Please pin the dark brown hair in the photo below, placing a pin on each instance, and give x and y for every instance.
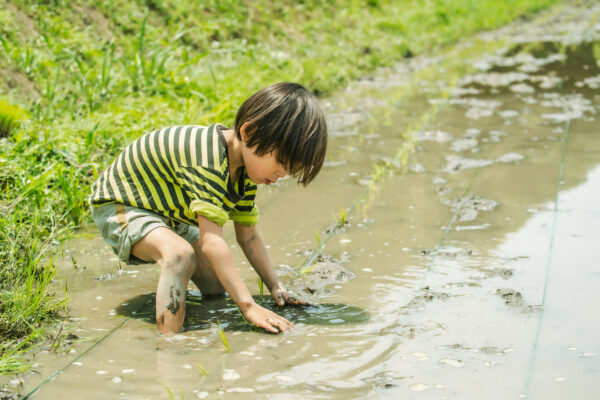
(286, 117)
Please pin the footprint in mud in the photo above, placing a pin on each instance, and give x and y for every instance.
(504, 273)
(510, 296)
(468, 207)
(426, 296)
(514, 298)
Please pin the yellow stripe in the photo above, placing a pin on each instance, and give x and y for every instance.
(161, 181)
(245, 202)
(208, 187)
(113, 183)
(126, 187)
(136, 181)
(147, 180)
(192, 144)
(181, 146)
(104, 183)
(172, 151)
(215, 149)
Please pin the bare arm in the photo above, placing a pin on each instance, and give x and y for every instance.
(254, 249)
(217, 253)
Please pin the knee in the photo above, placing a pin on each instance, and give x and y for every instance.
(181, 260)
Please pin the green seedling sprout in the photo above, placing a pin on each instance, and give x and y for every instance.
(343, 216)
(261, 287)
(204, 371)
(170, 392)
(223, 338)
(318, 237)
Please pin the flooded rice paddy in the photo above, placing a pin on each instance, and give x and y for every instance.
(471, 275)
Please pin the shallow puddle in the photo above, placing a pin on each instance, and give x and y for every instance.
(469, 276)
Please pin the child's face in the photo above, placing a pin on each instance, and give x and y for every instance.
(264, 169)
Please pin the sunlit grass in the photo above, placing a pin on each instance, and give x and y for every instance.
(10, 117)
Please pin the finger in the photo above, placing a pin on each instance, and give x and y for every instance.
(292, 299)
(279, 299)
(269, 326)
(282, 324)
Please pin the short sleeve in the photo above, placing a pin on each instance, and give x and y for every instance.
(245, 211)
(206, 188)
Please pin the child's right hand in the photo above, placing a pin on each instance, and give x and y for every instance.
(267, 319)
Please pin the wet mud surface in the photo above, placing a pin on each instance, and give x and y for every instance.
(471, 275)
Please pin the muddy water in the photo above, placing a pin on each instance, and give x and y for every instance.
(470, 276)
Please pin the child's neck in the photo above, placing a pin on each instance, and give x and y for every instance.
(234, 152)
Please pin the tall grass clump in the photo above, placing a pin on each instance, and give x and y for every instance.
(10, 117)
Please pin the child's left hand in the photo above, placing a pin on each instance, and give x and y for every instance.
(283, 297)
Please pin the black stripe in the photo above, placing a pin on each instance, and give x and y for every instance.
(133, 185)
(188, 144)
(244, 208)
(175, 148)
(138, 174)
(109, 189)
(210, 182)
(195, 188)
(198, 144)
(120, 184)
(209, 147)
(169, 178)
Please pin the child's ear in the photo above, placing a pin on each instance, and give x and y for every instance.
(246, 131)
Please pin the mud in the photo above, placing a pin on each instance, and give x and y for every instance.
(408, 300)
(468, 207)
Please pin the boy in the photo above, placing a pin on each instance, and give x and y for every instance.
(168, 194)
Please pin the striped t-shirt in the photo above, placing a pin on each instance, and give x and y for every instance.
(179, 172)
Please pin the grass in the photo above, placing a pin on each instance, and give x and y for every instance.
(83, 78)
(10, 117)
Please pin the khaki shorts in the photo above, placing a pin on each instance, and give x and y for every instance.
(123, 226)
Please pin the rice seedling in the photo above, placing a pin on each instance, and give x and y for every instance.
(224, 341)
(261, 287)
(343, 216)
(318, 238)
(204, 371)
(170, 392)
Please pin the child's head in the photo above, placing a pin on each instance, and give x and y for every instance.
(285, 118)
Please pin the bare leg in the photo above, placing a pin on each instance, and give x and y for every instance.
(177, 260)
(204, 277)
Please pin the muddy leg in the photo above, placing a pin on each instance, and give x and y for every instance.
(177, 260)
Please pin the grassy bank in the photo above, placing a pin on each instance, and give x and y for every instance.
(82, 78)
